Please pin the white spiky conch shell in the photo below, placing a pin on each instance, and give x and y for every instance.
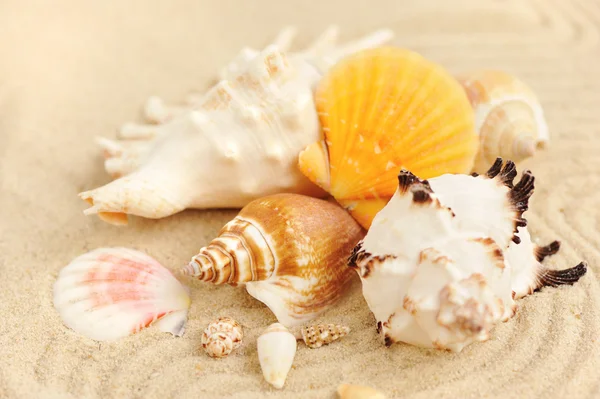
(441, 262)
(509, 118)
(110, 293)
(238, 142)
(276, 348)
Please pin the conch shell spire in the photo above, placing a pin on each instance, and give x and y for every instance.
(232, 258)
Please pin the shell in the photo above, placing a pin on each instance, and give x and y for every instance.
(110, 293)
(498, 215)
(348, 391)
(221, 337)
(319, 335)
(321, 54)
(436, 264)
(276, 348)
(238, 142)
(508, 117)
(288, 250)
(383, 109)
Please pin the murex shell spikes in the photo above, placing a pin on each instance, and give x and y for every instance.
(288, 250)
(509, 118)
(238, 142)
(381, 110)
(444, 260)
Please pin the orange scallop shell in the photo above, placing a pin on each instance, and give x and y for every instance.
(382, 110)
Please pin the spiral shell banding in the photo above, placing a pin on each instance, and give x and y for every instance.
(322, 334)
(509, 118)
(288, 250)
(221, 337)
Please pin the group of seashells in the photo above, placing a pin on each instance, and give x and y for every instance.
(362, 159)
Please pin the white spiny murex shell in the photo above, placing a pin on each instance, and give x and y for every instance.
(322, 334)
(238, 142)
(289, 251)
(221, 337)
(444, 260)
(276, 349)
(348, 391)
(508, 117)
(110, 293)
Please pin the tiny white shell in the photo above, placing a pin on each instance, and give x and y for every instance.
(276, 348)
(110, 293)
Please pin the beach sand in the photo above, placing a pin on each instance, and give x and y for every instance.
(72, 70)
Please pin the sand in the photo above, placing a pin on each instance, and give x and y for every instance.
(72, 70)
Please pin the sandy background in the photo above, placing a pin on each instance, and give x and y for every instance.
(70, 71)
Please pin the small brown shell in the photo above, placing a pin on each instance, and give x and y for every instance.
(323, 334)
(221, 337)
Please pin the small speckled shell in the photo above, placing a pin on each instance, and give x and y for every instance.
(323, 334)
(221, 337)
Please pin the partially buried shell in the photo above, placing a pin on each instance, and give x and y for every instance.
(288, 250)
(110, 293)
(442, 261)
(509, 118)
(349, 391)
(276, 349)
(221, 337)
(236, 143)
(381, 110)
